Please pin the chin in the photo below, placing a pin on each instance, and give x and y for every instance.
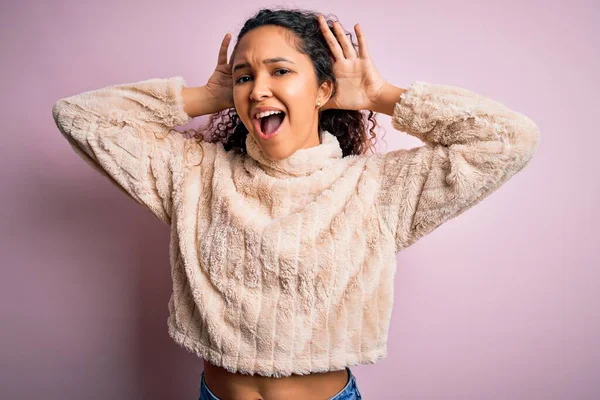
(277, 154)
(275, 151)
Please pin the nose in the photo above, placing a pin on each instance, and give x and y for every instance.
(260, 90)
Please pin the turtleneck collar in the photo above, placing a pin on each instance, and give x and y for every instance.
(302, 163)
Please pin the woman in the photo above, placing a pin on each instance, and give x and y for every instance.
(283, 231)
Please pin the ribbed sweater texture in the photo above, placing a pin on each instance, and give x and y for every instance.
(287, 267)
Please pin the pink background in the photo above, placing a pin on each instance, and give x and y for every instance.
(500, 303)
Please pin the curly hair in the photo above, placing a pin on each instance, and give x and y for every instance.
(349, 126)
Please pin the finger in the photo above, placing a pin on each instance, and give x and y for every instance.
(338, 54)
(363, 51)
(349, 51)
(223, 50)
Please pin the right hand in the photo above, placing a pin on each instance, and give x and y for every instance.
(220, 84)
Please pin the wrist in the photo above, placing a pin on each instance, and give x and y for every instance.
(387, 99)
(198, 101)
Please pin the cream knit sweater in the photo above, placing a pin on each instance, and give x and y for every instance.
(288, 266)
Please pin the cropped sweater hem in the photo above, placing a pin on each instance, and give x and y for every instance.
(272, 367)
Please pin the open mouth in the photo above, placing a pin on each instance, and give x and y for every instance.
(269, 126)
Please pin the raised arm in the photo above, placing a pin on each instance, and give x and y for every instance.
(473, 145)
(124, 132)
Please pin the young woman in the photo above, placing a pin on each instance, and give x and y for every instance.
(284, 231)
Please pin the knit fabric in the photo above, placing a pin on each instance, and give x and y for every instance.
(287, 267)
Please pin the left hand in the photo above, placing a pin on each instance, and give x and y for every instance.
(359, 82)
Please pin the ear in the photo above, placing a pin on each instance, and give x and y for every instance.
(325, 91)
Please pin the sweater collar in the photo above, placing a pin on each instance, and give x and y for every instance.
(302, 163)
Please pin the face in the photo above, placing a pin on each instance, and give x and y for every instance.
(268, 71)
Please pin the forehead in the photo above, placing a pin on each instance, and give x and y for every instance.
(266, 41)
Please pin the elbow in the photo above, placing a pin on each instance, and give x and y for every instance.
(527, 144)
(64, 116)
(56, 114)
(55, 109)
(531, 138)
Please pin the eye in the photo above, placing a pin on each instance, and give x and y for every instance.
(241, 77)
(239, 80)
(282, 69)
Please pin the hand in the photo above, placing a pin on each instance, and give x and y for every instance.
(220, 84)
(359, 83)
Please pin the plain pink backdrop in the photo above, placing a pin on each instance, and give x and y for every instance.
(499, 303)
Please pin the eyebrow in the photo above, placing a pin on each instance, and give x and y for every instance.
(266, 61)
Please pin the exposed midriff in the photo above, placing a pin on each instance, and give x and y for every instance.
(318, 386)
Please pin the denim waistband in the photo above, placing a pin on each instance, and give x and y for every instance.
(348, 392)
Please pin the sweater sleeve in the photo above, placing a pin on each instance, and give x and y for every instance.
(124, 132)
(473, 145)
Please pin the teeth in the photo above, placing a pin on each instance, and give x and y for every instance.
(266, 114)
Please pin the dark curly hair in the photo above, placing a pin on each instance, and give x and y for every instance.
(349, 126)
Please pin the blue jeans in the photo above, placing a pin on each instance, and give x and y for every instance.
(349, 392)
